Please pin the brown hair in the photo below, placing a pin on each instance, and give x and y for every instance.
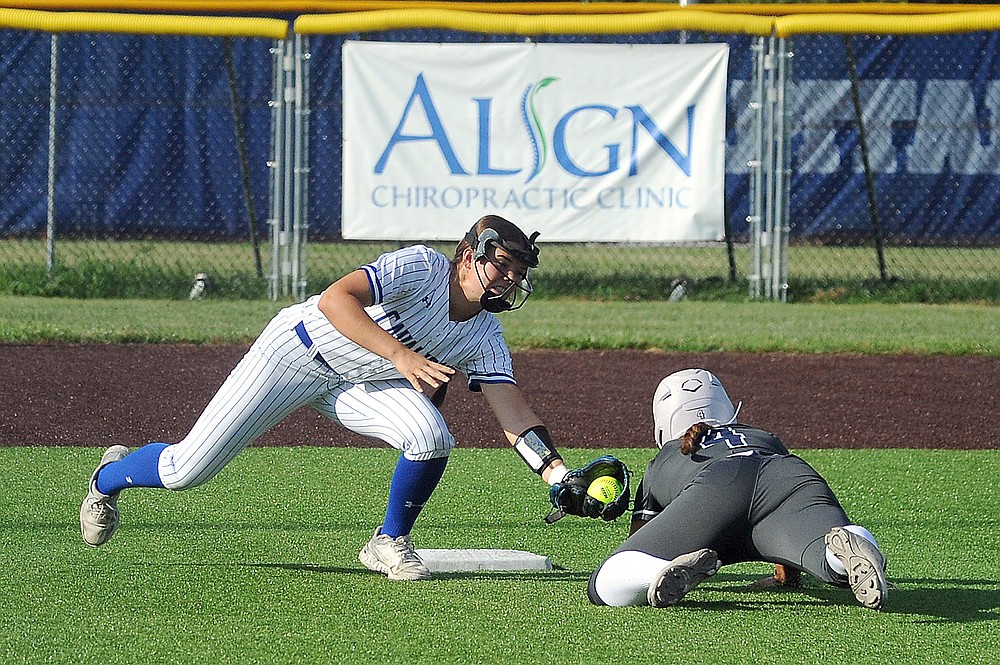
(509, 233)
(692, 438)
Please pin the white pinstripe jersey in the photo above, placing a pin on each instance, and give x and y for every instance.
(410, 289)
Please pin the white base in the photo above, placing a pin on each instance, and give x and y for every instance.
(449, 561)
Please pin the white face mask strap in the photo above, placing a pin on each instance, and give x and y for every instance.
(732, 420)
(479, 275)
(739, 405)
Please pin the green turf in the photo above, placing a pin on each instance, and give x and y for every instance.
(259, 566)
(561, 324)
(90, 268)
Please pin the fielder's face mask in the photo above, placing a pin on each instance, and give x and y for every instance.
(484, 248)
(687, 397)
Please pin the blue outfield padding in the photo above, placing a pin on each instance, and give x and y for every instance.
(146, 140)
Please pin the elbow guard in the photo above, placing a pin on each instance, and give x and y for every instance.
(535, 447)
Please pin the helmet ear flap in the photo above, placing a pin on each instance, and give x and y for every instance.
(480, 242)
(483, 241)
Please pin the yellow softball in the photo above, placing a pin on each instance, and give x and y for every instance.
(605, 489)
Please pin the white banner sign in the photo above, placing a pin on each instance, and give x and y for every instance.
(582, 142)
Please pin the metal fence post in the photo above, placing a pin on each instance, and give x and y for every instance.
(769, 182)
(300, 176)
(756, 165)
(288, 165)
(780, 223)
(50, 219)
(277, 166)
(289, 169)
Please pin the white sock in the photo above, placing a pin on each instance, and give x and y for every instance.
(624, 578)
(834, 562)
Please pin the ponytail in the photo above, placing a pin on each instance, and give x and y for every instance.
(692, 438)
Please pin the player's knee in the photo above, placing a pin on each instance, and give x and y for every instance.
(176, 474)
(183, 481)
(431, 443)
(623, 579)
(609, 586)
(592, 594)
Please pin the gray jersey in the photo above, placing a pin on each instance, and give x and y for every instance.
(670, 472)
(741, 494)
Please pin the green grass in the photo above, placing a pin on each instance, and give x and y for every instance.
(259, 566)
(849, 274)
(33, 319)
(562, 324)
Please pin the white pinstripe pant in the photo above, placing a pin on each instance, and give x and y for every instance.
(276, 377)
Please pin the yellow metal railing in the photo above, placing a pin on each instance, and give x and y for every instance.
(518, 24)
(518, 18)
(142, 24)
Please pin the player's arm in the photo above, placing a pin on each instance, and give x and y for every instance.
(569, 489)
(644, 509)
(635, 524)
(525, 431)
(344, 302)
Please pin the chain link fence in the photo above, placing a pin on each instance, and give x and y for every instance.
(893, 162)
(132, 163)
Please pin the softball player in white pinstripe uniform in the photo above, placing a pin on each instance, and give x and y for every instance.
(369, 353)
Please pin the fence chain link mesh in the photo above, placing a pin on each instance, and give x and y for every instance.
(158, 161)
(163, 155)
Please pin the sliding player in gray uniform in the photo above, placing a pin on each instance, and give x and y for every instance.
(719, 492)
(370, 353)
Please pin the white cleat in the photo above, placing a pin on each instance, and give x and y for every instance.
(99, 512)
(680, 576)
(865, 566)
(395, 557)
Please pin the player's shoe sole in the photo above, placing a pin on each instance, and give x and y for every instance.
(680, 576)
(865, 566)
(99, 512)
(394, 557)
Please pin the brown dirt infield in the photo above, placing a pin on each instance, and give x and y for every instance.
(98, 395)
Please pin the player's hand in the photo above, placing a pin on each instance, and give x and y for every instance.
(570, 496)
(421, 372)
(784, 577)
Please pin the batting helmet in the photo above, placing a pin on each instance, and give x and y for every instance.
(687, 397)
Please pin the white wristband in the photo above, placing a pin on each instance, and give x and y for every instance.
(557, 475)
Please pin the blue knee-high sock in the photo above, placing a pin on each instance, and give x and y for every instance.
(412, 485)
(137, 469)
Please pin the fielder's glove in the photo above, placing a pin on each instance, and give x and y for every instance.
(569, 496)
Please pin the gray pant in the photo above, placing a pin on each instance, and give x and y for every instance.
(755, 508)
